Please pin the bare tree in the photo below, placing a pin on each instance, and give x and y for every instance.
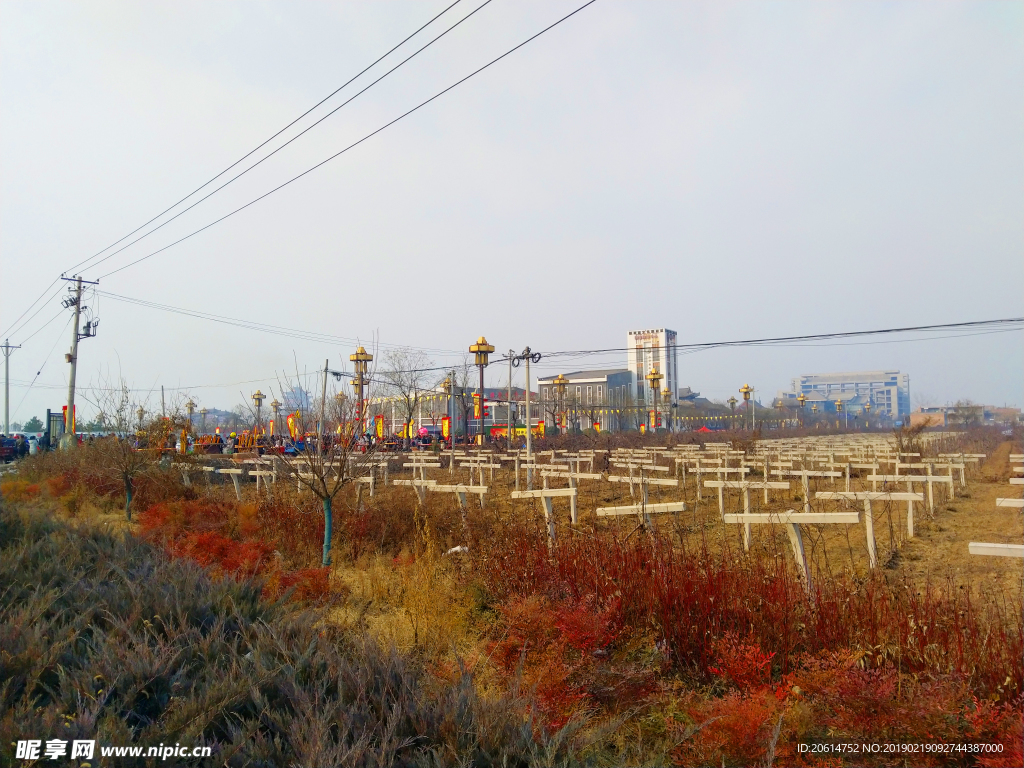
(406, 378)
(966, 413)
(332, 455)
(135, 440)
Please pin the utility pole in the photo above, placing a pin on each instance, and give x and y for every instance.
(528, 355)
(75, 300)
(511, 421)
(323, 403)
(7, 348)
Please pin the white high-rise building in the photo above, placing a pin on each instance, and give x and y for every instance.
(649, 350)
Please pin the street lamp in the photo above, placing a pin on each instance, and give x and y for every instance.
(560, 383)
(481, 351)
(361, 359)
(446, 387)
(140, 413)
(654, 378)
(190, 406)
(276, 407)
(202, 420)
(258, 398)
(839, 409)
(802, 399)
(666, 400)
(867, 412)
(746, 390)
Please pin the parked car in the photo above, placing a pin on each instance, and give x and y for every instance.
(8, 449)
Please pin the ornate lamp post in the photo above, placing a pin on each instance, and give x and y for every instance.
(446, 386)
(732, 407)
(275, 406)
(802, 399)
(190, 408)
(361, 360)
(481, 351)
(746, 390)
(140, 413)
(839, 409)
(560, 383)
(666, 401)
(258, 398)
(655, 377)
(202, 420)
(867, 413)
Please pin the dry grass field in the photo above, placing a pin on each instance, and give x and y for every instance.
(660, 643)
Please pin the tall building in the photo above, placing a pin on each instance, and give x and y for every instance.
(887, 391)
(653, 350)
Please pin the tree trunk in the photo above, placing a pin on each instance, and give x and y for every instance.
(128, 498)
(327, 531)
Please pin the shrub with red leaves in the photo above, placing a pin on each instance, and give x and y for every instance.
(238, 558)
(743, 664)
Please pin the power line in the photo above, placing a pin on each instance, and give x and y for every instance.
(252, 325)
(260, 146)
(812, 337)
(293, 138)
(354, 144)
(45, 291)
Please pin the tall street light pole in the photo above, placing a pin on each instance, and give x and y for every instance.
(560, 383)
(655, 377)
(746, 390)
(481, 351)
(275, 406)
(258, 397)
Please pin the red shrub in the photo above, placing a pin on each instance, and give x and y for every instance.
(58, 486)
(310, 584)
(239, 558)
(19, 490)
(694, 600)
(168, 520)
(744, 665)
(737, 731)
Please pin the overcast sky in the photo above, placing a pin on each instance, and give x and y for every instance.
(727, 170)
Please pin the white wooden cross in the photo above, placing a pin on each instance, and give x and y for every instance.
(420, 486)
(793, 520)
(235, 474)
(869, 524)
(805, 475)
(910, 479)
(745, 486)
(546, 495)
(999, 550)
(461, 491)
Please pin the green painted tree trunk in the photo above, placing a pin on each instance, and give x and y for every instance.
(128, 498)
(327, 531)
